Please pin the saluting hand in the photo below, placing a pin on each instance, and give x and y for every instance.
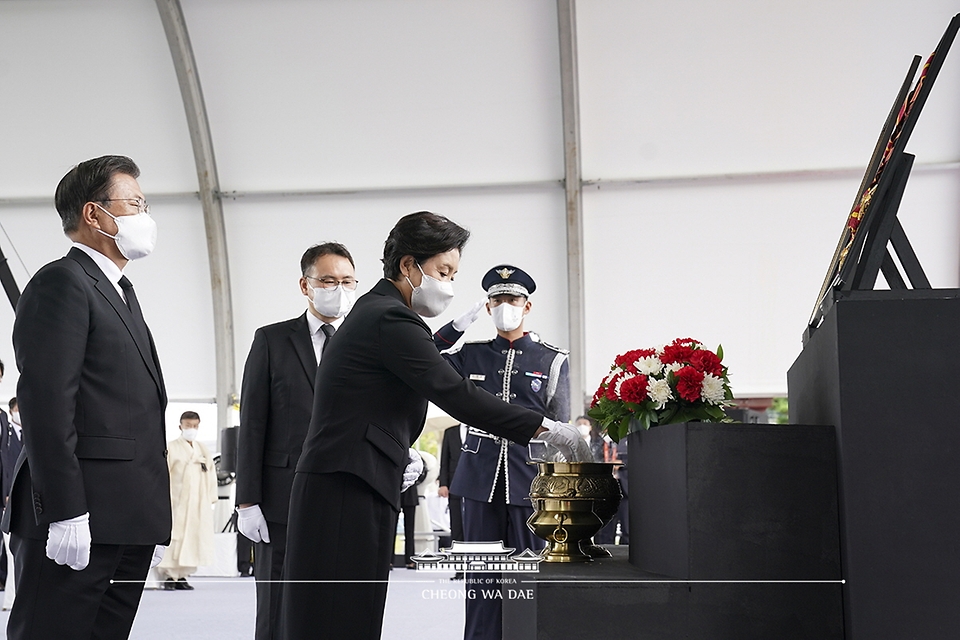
(467, 319)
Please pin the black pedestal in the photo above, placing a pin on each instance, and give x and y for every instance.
(735, 502)
(884, 367)
(613, 600)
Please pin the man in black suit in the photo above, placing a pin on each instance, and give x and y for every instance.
(6, 469)
(449, 456)
(275, 403)
(10, 444)
(91, 494)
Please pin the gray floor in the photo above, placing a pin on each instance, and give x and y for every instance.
(223, 608)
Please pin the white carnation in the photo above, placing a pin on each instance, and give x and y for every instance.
(673, 367)
(712, 389)
(660, 393)
(649, 365)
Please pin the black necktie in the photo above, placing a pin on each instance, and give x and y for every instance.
(328, 330)
(134, 305)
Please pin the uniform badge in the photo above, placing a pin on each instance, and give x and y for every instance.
(535, 384)
(505, 273)
(478, 377)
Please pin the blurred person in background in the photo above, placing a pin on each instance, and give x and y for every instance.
(193, 491)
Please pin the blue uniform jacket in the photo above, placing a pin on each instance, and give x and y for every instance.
(526, 372)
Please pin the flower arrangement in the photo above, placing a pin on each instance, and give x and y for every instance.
(679, 382)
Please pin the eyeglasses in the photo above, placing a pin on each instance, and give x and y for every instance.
(329, 283)
(141, 205)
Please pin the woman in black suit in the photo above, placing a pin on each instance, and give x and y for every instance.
(370, 402)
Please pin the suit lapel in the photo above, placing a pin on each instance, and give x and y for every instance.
(141, 338)
(303, 345)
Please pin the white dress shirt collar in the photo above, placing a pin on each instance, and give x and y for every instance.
(317, 336)
(108, 266)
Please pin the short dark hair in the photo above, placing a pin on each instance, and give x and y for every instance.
(189, 415)
(317, 251)
(13, 403)
(89, 181)
(1, 367)
(422, 235)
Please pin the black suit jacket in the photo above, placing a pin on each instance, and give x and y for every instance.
(276, 398)
(91, 400)
(449, 455)
(371, 393)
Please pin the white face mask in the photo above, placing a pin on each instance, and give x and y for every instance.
(335, 302)
(432, 297)
(136, 235)
(15, 417)
(584, 430)
(189, 434)
(507, 317)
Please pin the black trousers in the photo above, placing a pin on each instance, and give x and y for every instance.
(340, 537)
(268, 571)
(409, 533)
(488, 522)
(455, 504)
(54, 601)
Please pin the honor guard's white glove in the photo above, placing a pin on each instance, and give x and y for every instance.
(414, 468)
(252, 524)
(463, 322)
(68, 542)
(157, 555)
(567, 438)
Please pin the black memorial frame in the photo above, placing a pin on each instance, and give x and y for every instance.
(862, 252)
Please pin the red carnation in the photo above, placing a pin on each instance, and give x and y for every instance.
(634, 389)
(706, 361)
(685, 341)
(597, 396)
(689, 382)
(676, 353)
(611, 391)
(626, 360)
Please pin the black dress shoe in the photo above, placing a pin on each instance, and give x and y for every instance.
(169, 584)
(183, 585)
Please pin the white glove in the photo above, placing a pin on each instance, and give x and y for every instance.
(157, 555)
(68, 542)
(567, 438)
(463, 322)
(252, 524)
(413, 470)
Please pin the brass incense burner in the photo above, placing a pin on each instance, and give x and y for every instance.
(572, 501)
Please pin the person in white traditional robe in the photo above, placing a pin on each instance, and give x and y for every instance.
(193, 489)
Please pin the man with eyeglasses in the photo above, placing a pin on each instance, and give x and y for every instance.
(276, 400)
(90, 500)
(493, 477)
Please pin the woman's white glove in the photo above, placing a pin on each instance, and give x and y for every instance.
(252, 524)
(567, 438)
(463, 322)
(413, 470)
(157, 555)
(68, 542)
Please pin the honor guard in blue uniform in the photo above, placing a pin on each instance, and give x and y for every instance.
(493, 476)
